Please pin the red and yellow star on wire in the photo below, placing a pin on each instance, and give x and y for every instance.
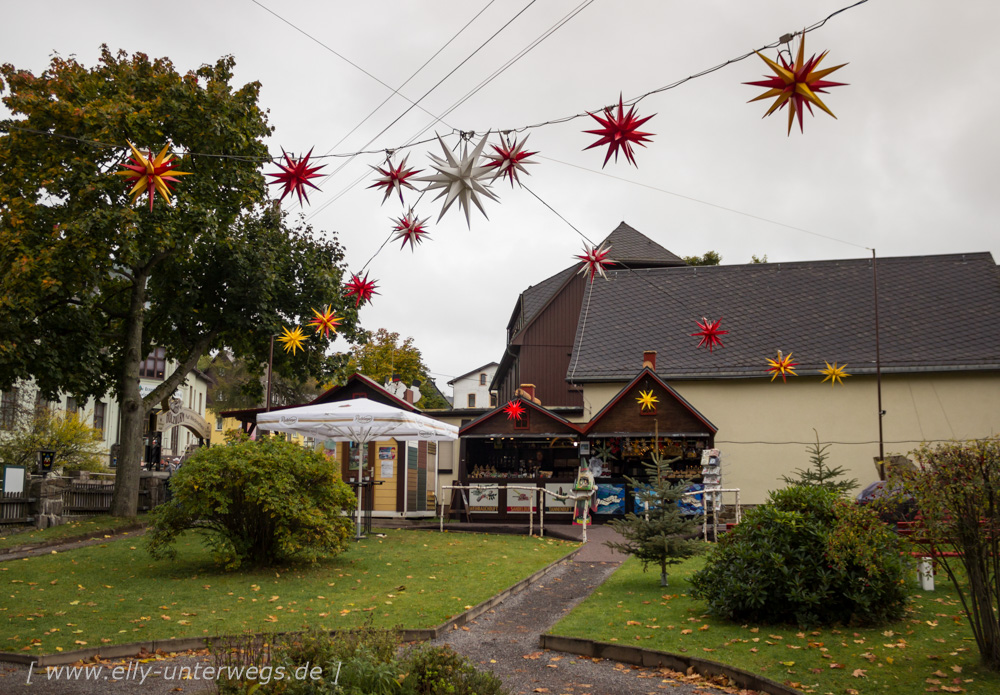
(783, 366)
(151, 174)
(325, 322)
(796, 84)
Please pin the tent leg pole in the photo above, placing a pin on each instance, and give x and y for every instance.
(361, 469)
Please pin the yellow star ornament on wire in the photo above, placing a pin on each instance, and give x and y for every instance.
(646, 400)
(292, 339)
(152, 175)
(834, 373)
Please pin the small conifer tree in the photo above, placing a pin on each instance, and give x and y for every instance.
(661, 534)
(820, 474)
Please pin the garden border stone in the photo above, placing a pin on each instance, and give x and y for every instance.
(652, 658)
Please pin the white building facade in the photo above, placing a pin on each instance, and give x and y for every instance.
(472, 389)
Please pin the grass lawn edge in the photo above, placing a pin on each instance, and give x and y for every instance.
(97, 534)
(181, 644)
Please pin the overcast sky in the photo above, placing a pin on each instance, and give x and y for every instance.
(910, 165)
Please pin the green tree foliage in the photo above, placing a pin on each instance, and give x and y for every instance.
(762, 259)
(806, 557)
(710, 258)
(237, 383)
(956, 487)
(77, 445)
(381, 355)
(662, 535)
(819, 473)
(258, 502)
(90, 283)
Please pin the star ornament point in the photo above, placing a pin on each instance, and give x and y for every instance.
(796, 85)
(509, 159)
(619, 132)
(710, 333)
(411, 230)
(593, 260)
(325, 322)
(514, 409)
(292, 339)
(834, 373)
(294, 175)
(646, 400)
(782, 366)
(459, 178)
(395, 179)
(361, 289)
(151, 175)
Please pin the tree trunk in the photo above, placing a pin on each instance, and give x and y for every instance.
(125, 501)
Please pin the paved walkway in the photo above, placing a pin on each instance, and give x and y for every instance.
(504, 640)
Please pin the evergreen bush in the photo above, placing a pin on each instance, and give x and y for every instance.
(258, 503)
(806, 557)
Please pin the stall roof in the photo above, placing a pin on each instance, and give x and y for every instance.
(541, 423)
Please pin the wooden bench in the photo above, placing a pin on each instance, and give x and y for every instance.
(928, 553)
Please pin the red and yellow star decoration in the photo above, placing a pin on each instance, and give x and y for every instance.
(325, 322)
(151, 175)
(782, 366)
(796, 84)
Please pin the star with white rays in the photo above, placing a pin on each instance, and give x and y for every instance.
(460, 179)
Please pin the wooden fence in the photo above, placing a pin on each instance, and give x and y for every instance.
(14, 507)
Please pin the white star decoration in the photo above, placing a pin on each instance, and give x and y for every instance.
(459, 179)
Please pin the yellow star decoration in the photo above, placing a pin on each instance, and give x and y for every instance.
(292, 339)
(646, 400)
(834, 373)
(152, 175)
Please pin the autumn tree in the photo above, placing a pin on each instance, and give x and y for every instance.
(710, 258)
(91, 282)
(381, 356)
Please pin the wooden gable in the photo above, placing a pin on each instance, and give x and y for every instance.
(536, 422)
(670, 416)
(360, 386)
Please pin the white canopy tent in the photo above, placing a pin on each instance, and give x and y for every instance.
(357, 420)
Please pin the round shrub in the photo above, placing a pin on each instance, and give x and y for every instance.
(258, 503)
(807, 558)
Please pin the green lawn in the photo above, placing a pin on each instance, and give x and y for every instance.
(931, 650)
(12, 537)
(114, 592)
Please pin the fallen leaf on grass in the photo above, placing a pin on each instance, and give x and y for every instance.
(859, 673)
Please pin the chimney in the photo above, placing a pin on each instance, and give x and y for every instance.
(527, 392)
(408, 396)
(649, 359)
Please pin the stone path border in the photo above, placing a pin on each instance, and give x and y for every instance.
(652, 658)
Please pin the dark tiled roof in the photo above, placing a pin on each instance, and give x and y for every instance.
(633, 248)
(536, 296)
(935, 312)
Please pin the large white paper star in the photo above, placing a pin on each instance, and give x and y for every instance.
(460, 179)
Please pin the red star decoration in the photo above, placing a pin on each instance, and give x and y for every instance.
(361, 289)
(394, 179)
(325, 322)
(295, 175)
(151, 174)
(411, 230)
(594, 259)
(709, 333)
(796, 84)
(514, 410)
(510, 159)
(619, 132)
